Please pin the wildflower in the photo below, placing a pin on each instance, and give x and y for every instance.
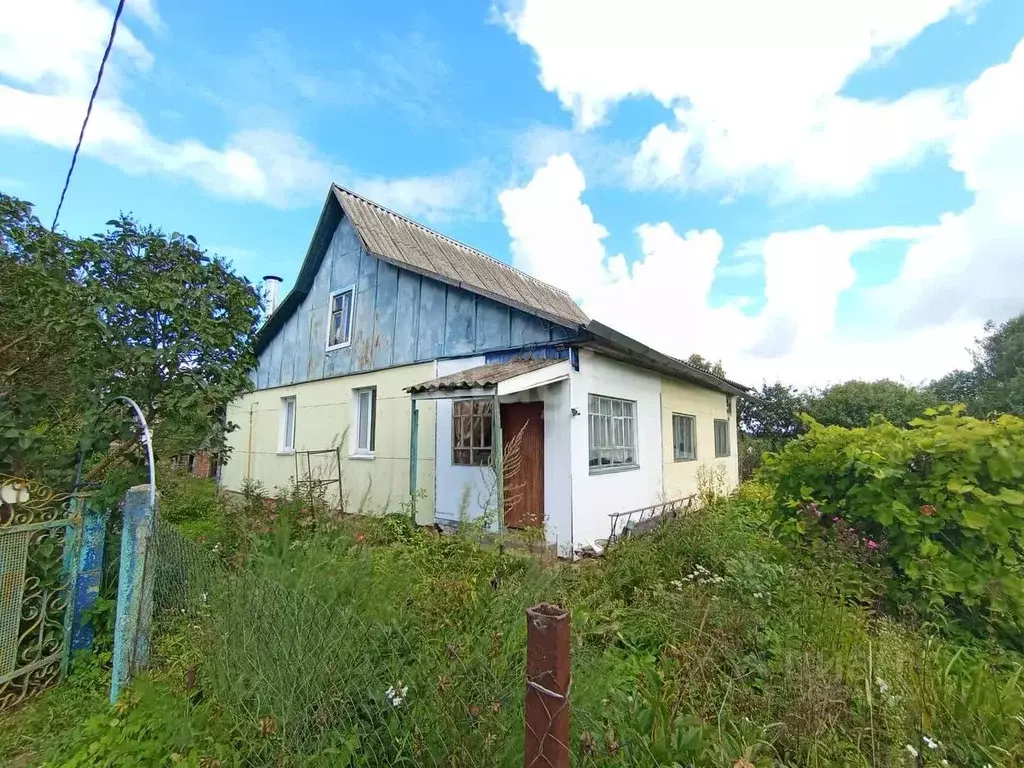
(360, 537)
(757, 595)
(396, 694)
(930, 742)
(883, 687)
(202, 539)
(944, 761)
(871, 544)
(267, 725)
(912, 752)
(928, 510)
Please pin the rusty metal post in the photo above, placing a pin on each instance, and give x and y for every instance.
(547, 687)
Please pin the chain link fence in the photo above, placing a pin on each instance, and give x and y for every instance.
(326, 673)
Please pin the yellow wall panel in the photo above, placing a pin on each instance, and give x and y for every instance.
(324, 419)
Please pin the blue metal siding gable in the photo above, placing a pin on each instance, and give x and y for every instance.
(399, 317)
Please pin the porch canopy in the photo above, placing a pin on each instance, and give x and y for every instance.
(483, 381)
(493, 380)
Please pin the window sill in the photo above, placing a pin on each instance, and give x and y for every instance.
(722, 455)
(683, 461)
(613, 470)
(338, 346)
(363, 456)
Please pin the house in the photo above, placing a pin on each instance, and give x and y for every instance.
(403, 365)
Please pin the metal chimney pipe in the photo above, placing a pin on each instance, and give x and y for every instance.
(271, 286)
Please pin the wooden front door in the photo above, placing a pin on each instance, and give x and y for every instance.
(524, 464)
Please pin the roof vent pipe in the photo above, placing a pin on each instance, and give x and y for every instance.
(271, 286)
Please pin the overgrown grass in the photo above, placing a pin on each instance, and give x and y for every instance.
(705, 643)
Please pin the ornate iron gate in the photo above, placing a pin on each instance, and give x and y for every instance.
(38, 541)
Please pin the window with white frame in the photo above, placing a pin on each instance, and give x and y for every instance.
(339, 324)
(612, 425)
(286, 438)
(721, 437)
(684, 442)
(471, 432)
(365, 421)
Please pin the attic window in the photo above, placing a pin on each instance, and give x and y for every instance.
(339, 324)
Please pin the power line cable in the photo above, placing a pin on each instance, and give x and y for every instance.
(88, 111)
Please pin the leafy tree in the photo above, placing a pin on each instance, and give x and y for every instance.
(854, 403)
(955, 387)
(131, 312)
(699, 361)
(771, 414)
(46, 331)
(999, 368)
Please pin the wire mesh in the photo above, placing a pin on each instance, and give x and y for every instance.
(307, 674)
(335, 671)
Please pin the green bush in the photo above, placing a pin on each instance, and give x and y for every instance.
(941, 502)
(708, 642)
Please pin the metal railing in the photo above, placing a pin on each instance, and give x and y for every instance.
(624, 524)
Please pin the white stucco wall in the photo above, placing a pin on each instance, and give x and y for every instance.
(470, 490)
(557, 460)
(459, 490)
(323, 419)
(705, 405)
(596, 495)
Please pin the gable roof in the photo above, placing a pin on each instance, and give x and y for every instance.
(403, 242)
(400, 241)
(619, 346)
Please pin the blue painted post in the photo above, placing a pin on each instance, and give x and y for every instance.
(85, 587)
(134, 589)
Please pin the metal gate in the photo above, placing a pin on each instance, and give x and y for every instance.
(38, 554)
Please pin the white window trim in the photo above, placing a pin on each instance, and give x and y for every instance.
(282, 429)
(351, 319)
(693, 435)
(635, 464)
(355, 452)
(728, 440)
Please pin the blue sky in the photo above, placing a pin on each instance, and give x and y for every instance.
(804, 193)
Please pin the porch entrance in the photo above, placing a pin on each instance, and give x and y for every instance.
(522, 431)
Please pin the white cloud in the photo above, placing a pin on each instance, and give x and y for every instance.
(969, 268)
(554, 235)
(754, 87)
(146, 12)
(662, 298)
(51, 50)
(805, 273)
(435, 198)
(55, 46)
(760, 107)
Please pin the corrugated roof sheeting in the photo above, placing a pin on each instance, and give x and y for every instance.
(397, 239)
(483, 375)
